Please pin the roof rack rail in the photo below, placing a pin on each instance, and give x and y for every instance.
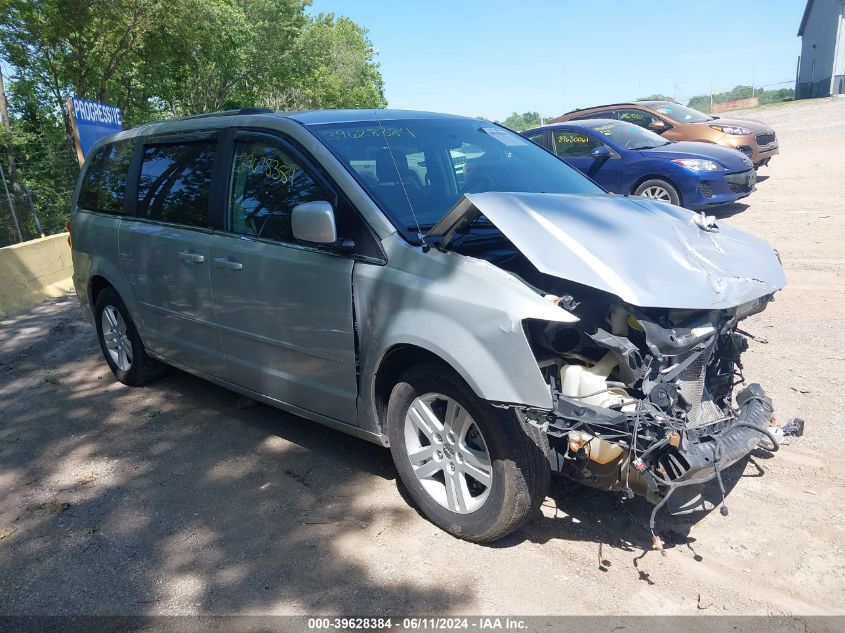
(606, 105)
(237, 112)
(256, 111)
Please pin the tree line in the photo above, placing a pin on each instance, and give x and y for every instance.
(157, 59)
(702, 102)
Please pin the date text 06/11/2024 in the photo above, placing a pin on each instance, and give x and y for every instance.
(418, 624)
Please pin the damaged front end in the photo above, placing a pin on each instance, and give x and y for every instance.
(645, 399)
(647, 387)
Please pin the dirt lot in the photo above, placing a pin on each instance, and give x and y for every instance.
(171, 499)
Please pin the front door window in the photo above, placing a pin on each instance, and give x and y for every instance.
(642, 118)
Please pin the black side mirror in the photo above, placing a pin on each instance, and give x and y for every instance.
(600, 153)
(345, 245)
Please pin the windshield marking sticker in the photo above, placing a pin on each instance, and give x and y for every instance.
(504, 137)
(342, 134)
(572, 138)
(270, 167)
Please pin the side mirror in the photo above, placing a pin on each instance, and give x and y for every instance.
(657, 126)
(600, 153)
(314, 222)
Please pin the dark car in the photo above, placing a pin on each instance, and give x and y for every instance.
(676, 122)
(627, 159)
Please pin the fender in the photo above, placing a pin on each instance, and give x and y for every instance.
(465, 311)
(95, 253)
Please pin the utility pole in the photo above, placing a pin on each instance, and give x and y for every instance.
(711, 94)
(7, 140)
(11, 205)
(10, 157)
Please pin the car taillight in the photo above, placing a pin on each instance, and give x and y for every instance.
(69, 226)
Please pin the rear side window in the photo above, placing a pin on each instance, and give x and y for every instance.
(541, 138)
(104, 184)
(175, 182)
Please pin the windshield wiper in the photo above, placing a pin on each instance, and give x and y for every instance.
(424, 228)
(420, 228)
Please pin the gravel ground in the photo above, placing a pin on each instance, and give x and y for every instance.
(172, 499)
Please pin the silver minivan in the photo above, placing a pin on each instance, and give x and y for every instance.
(435, 284)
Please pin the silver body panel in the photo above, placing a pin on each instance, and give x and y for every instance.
(463, 310)
(647, 253)
(283, 327)
(167, 268)
(285, 320)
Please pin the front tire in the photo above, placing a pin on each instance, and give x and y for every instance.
(120, 343)
(661, 190)
(476, 471)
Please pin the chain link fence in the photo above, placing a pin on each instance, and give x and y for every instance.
(37, 202)
(19, 221)
(741, 96)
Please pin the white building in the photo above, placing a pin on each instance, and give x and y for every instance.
(821, 67)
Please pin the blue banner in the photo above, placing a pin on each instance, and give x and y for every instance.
(93, 121)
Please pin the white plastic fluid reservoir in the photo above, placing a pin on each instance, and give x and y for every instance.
(590, 383)
(598, 450)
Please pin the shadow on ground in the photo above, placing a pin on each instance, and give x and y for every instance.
(577, 513)
(171, 499)
(727, 210)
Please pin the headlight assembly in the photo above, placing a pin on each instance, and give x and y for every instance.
(698, 164)
(735, 130)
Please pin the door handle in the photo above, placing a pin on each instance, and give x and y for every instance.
(191, 257)
(228, 263)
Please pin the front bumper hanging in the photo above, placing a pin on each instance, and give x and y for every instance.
(683, 460)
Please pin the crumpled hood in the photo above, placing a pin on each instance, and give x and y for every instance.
(648, 253)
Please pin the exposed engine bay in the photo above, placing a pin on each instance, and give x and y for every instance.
(648, 401)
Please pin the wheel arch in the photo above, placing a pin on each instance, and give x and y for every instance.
(104, 274)
(96, 285)
(393, 363)
(664, 178)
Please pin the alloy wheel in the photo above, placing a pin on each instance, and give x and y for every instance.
(658, 193)
(116, 339)
(448, 453)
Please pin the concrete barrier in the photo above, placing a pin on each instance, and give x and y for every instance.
(32, 271)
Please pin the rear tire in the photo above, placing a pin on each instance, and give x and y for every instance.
(661, 190)
(120, 343)
(478, 472)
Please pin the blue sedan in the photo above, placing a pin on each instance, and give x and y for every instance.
(625, 158)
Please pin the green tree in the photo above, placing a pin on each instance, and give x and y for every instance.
(49, 172)
(161, 58)
(524, 121)
(339, 68)
(702, 102)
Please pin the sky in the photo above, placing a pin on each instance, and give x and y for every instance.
(493, 57)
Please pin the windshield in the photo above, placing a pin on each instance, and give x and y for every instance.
(417, 169)
(677, 112)
(629, 136)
